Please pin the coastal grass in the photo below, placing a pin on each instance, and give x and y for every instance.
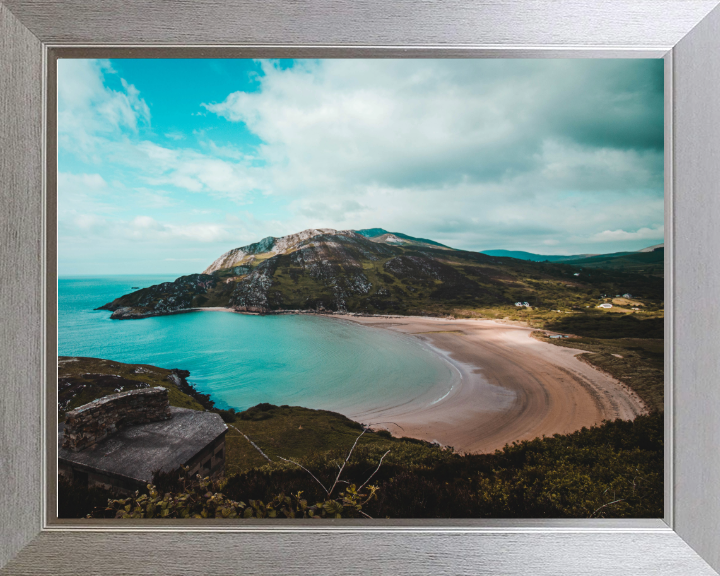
(636, 362)
(292, 432)
(614, 470)
(82, 380)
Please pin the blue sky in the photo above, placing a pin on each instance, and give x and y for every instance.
(165, 164)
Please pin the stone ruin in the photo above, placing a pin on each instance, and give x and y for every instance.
(101, 418)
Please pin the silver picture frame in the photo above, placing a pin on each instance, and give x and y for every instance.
(34, 33)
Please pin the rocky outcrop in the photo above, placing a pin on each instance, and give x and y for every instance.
(182, 295)
(270, 244)
(179, 378)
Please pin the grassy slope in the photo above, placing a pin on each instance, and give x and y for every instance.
(651, 263)
(82, 372)
(294, 433)
(472, 284)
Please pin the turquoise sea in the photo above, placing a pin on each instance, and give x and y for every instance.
(243, 360)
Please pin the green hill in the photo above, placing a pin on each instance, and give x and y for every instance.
(652, 263)
(344, 271)
(521, 255)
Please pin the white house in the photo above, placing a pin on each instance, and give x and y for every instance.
(606, 305)
(628, 296)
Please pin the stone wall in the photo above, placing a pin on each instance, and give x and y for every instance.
(100, 418)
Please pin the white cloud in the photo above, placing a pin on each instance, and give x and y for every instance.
(463, 151)
(533, 155)
(88, 110)
(656, 233)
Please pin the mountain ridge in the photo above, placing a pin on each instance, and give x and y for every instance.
(522, 255)
(326, 270)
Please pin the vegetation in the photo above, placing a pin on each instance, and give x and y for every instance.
(292, 432)
(612, 470)
(609, 326)
(649, 263)
(202, 499)
(82, 380)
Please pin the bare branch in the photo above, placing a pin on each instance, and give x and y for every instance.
(308, 471)
(253, 444)
(393, 423)
(608, 504)
(346, 460)
(376, 469)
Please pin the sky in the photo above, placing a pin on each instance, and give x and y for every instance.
(163, 165)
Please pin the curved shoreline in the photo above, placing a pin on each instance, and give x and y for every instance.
(509, 386)
(512, 387)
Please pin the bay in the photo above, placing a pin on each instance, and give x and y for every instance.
(243, 360)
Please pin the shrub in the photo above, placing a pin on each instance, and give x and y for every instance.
(202, 499)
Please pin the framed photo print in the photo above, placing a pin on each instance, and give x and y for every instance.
(344, 289)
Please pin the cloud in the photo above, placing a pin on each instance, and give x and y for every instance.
(656, 233)
(194, 171)
(89, 111)
(147, 229)
(538, 155)
(466, 150)
(175, 135)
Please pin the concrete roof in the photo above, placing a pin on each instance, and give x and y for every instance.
(137, 451)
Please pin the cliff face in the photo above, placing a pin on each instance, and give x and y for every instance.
(372, 271)
(269, 245)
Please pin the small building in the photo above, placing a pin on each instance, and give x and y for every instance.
(576, 274)
(605, 305)
(119, 441)
(628, 296)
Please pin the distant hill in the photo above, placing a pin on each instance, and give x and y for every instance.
(520, 255)
(650, 260)
(646, 261)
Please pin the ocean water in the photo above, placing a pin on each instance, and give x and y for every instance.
(243, 360)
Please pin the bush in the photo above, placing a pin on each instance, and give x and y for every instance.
(202, 498)
(260, 412)
(609, 326)
(228, 416)
(614, 470)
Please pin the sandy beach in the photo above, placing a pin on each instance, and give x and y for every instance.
(508, 386)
